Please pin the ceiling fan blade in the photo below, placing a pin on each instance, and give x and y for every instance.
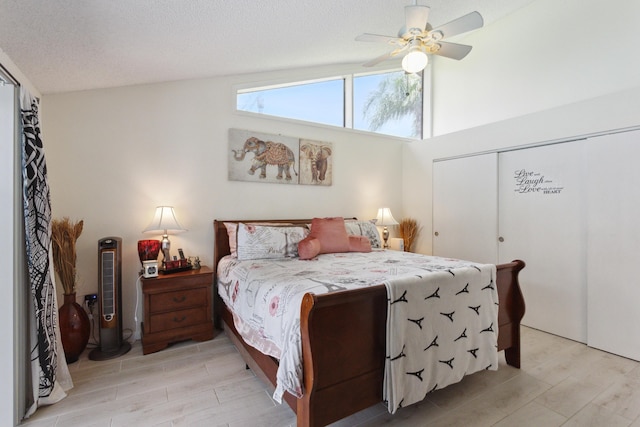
(366, 37)
(461, 25)
(416, 17)
(384, 57)
(452, 50)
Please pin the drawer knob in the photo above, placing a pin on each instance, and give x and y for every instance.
(181, 299)
(182, 319)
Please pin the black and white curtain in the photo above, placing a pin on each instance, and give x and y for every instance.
(49, 372)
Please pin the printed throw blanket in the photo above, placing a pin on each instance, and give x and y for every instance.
(265, 298)
(440, 327)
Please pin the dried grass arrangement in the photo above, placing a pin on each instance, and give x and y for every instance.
(64, 235)
(409, 230)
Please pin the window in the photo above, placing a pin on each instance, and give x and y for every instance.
(389, 103)
(319, 102)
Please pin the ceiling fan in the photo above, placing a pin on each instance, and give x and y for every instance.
(416, 39)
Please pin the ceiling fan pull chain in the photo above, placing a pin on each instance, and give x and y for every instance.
(406, 79)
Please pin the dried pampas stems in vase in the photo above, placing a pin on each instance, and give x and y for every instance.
(64, 235)
(74, 321)
(408, 231)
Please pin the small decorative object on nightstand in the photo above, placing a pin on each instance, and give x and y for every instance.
(177, 307)
(148, 251)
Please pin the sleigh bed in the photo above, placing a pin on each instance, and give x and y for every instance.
(343, 340)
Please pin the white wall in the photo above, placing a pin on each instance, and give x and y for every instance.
(547, 54)
(113, 155)
(552, 70)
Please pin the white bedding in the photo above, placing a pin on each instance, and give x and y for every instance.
(265, 298)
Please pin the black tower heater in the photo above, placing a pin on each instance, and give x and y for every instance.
(110, 300)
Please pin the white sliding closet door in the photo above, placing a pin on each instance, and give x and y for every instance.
(465, 200)
(614, 243)
(541, 221)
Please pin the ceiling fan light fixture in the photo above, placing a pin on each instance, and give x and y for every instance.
(414, 61)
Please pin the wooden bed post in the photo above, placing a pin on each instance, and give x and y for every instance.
(511, 310)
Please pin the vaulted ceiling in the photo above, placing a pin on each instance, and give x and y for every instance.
(68, 45)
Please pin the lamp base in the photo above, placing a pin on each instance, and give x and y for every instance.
(385, 237)
(165, 245)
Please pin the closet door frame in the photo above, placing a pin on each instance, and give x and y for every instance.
(14, 336)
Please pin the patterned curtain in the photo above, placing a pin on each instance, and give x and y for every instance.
(49, 372)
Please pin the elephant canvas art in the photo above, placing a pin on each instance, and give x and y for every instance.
(261, 157)
(316, 165)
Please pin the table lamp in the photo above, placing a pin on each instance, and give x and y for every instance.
(164, 221)
(385, 219)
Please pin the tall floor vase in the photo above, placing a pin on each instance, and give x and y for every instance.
(74, 328)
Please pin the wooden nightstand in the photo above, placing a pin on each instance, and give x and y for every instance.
(177, 307)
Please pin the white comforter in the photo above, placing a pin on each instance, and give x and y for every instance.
(265, 298)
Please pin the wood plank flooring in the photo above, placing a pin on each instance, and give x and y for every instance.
(561, 383)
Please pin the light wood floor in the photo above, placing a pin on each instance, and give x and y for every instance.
(206, 384)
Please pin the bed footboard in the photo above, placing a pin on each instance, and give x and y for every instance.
(343, 349)
(343, 346)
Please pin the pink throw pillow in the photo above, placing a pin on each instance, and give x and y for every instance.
(332, 234)
(328, 236)
(308, 247)
(359, 244)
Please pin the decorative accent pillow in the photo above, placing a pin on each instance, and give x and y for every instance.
(332, 234)
(365, 228)
(308, 248)
(268, 241)
(329, 235)
(359, 244)
(232, 228)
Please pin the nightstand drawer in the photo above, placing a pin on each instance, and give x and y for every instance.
(177, 300)
(177, 319)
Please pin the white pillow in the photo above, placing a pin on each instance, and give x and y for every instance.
(232, 230)
(268, 242)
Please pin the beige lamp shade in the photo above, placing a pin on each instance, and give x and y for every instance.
(164, 221)
(385, 218)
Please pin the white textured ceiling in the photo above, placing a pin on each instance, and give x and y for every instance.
(68, 45)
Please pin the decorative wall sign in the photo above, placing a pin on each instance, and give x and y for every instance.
(261, 157)
(534, 182)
